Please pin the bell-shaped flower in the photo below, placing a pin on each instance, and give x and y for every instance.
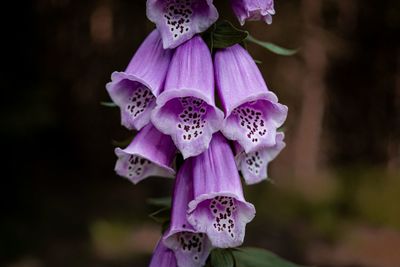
(135, 89)
(219, 208)
(186, 108)
(180, 20)
(252, 112)
(254, 165)
(162, 256)
(190, 246)
(253, 10)
(151, 153)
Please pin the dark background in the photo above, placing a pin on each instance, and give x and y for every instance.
(336, 192)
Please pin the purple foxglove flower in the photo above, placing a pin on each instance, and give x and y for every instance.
(190, 246)
(253, 10)
(252, 112)
(162, 256)
(186, 108)
(151, 153)
(135, 89)
(180, 20)
(219, 208)
(253, 165)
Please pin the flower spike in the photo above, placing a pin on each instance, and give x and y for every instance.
(134, 90)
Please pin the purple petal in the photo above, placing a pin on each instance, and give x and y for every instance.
(180, 20)
(186, 109)
(162, 256)
(253, 166)
(252, 112)
(135, 89)
(219, 208)
(190, 246)
(151, 153)
(253, 10)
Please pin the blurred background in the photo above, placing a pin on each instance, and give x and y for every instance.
(336, 192)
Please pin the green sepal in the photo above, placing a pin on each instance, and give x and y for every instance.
(223, 34)
(226, 35)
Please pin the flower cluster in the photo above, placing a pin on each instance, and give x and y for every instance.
(167, 93)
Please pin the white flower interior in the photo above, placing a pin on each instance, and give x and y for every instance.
(139, 100)
(177, 15)
(191, 118)
(252, 121)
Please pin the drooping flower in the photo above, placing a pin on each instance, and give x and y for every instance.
(190, 246)
(252, 112)
(180, 20)
(151, 153)
(186, 108)
(162, 256)
(219, 208)
(253, 10)
(135, 89)
(254, 165)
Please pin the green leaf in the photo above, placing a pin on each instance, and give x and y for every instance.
(161, 216)
(222, 258)
(256, 257)
(272, 47)
(225, 34)
(108, 104)
(164, 202)
(122, 143)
